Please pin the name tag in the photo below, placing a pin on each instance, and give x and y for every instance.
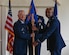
(22, 29)
(41, 27)
(39, 24)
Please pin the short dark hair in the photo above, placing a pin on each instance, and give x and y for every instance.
(48, 9)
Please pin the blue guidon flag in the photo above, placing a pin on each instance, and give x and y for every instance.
(55, 9)
(32, 10)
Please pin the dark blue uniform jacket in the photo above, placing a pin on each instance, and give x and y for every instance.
(53, 35)
(21, 37)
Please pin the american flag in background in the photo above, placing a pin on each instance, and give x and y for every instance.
(9, 28)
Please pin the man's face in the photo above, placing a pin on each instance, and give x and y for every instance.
(21, 15)
(49, 13)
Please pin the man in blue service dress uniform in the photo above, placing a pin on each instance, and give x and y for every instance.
(55, 42)
(40, 26)
(21, 35)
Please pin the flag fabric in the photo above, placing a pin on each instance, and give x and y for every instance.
(9, 28)
(55, 9)
(32, 10)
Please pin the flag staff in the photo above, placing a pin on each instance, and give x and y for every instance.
(57, 2)
(32, 16)
(33, 39)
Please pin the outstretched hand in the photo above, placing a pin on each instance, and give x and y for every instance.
(34, 28)
(35, 43)
(33, 34)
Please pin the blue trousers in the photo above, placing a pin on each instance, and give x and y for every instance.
(56, 52)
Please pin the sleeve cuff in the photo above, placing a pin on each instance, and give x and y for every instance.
(38, 41)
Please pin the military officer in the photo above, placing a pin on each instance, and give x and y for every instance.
(55, 42)
(40, 26)
(21, 35)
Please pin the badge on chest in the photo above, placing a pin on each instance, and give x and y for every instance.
(23, 30)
